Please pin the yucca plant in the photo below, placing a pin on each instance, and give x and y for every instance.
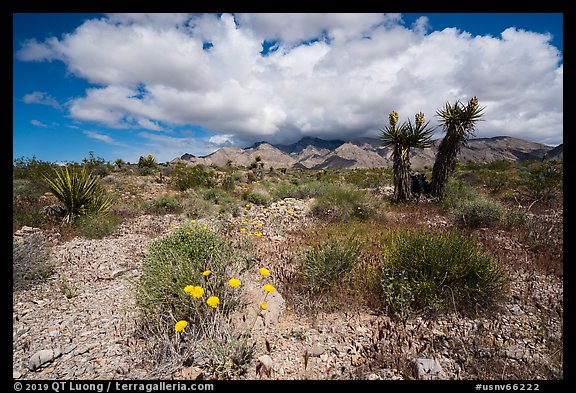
(459, 121)
(78, 191)
(147, 162)
(403, 138)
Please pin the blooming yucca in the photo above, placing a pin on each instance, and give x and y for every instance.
(213, 301)
(234, 282)
(180, 326)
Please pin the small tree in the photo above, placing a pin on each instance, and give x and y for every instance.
(459, 121)
(404, 137)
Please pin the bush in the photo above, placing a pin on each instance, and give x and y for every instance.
(184, 177)
(456, 192)
(178, 260)
(342, 203)
(162, 205)
(258, 198)
(478, 213)
(31, 262)
(97, 226)
(327, 265)
(79, 192)
(438, 272)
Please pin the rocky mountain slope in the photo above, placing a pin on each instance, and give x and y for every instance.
(315, 153)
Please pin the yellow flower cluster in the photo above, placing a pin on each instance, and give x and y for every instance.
(234, 282)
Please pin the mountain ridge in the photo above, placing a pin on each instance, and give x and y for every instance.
(365, 152)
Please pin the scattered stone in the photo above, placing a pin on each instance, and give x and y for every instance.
(16, 374)
(264, 366)
(428, 369)
(40, 358)
(192, 373)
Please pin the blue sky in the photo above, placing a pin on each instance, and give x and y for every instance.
(125, 85)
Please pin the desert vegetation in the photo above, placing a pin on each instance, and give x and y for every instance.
(254, 261)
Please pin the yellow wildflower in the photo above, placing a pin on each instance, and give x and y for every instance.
(242, 229)
(206, 273)
(263, 306)
(245, 222)
(180, 326)
(188, 288)
(213, 301)
(234, 282)
(265, 272)
(197, 292)
(269, 288)
(204, 227)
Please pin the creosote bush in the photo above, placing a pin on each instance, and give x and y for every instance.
(439, 272)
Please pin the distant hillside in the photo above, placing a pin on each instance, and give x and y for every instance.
(315, 153)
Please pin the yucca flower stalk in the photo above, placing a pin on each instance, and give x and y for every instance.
(402, 138)
(78, 191)
(459, 121)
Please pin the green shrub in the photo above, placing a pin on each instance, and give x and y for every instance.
(31, 262)
(515, 218)
(79, 192)
(178, 260)
(325, 266)
(258, 198)
(478, 213)
(228, 182)
(438, 272)
(162, 205)
(97, 226)
(184, 177)
(342, 203)
(456, 192)
(543, 182)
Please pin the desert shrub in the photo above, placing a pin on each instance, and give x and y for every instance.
(79, 191)
(438, 272)
(32, 169)
(515, 218)
(184, 177)
(225, 202)
(228, 183)
(456, 192)
(162, 205)
(97, 226)
(179, 259)
(31, 261)
(478, 213)
(327, 265)
(543, 182)
(284, 190)
(341, 203)
(257, 197)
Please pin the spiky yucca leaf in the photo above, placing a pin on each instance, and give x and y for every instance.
(78, 191)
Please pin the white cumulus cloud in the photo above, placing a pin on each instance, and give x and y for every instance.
(328, 75)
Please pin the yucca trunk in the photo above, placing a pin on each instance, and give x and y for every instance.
(401, 170)
(445, 163)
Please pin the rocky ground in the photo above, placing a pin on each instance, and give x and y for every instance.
(80, 324)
